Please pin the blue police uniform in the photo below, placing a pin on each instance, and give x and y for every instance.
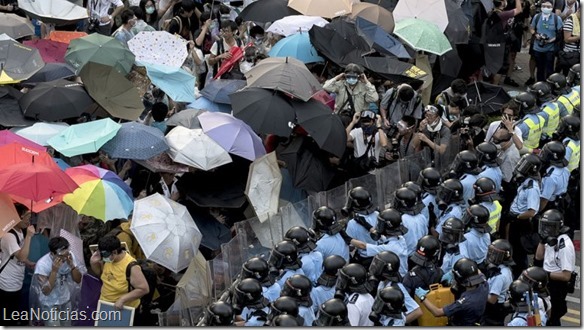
(253, 320)
(477, 245)
(429, 199)
(320, 294)
(409, 302)
(527, 197)
(288, 272)
(554, 183)
(417, 226)
(272, 292)
(387, 321)
(329, 245)
(451, 257)
(311, 265)
(356, 231)
(469, 308)
(453, 210)
(308, 314)
(523, 126)
(494, 173)
(518, 320)
(499, 284)
(395, 244)
(468, 181)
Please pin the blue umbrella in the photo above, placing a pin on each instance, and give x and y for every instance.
(61, 163)
(298, 46)
(178, 84)
(136, 141)
(204, 103)
(218, 90)
(379, 39)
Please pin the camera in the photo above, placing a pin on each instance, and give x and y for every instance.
(542, 40)
(93, 25)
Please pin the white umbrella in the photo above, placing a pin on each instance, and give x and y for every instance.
(159, 47)
(58, 12)
(296, 23)
(40, 132)
(194, 148)
(263, 185)
(433, 11)
(165, 231)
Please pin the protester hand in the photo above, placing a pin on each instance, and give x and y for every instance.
(105, 19)
(423, 124)
(95, 257)
(363, 78)
(508, 124)
(379, 121)
(207, 24)
(190, 44)
(30, 230)
(447, 277)
(226, 55)
(69, 259)
(386, 122)
(57, 263)
(340, 76)
(421, 293)
(119, 304)
(356, 117)
(422, 137)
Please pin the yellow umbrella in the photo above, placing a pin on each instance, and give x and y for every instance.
(325, 9)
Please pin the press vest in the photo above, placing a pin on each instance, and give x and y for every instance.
(495, 216)
(569, 100)
(574, 161)
(534, 134)
(553, 120)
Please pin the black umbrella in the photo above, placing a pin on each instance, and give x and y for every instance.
(55, 100)
(348, 31)
(325, 128)
(50, 72)
(214, 233)
(458, 28)
(450, 63)
(334, 46)
(10, 113)
(387, 4)
(393, 69)
(489, 98)
(264, 11)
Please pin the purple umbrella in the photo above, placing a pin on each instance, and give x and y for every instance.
(232, 134)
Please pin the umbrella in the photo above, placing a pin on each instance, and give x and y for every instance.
(55, 100)
(165, 231)
(336, 47)
(50, 72)
(458, 28)
(387, 4)
(18, 62)
(99, 49)
(263, 185)
(75, 245)
(488, 97)
(15, 26)
(136, 141)
(266, 111)
(232, 134)
(41, 132)
(58, 12)
(488, 5)
(226, 65)
(325, 128)
(204, 103)
(35, 182)
(297, 46)
(84, 138)
(186, 118)
(7, 137)
(159, 47)
(348, 31)
(17, 153)
(422, 35)
(8, 215)
(178, 84)
(194, 148)
(393, 69)
(66, 36)
(380, 40)
(433, 11)
(162, 163)
(450, 63)
(10, 114)
(61, 163)
(111, 90)
(296, 23)
(51, 51)
(4, 36)
(287, 74)
(264, 11)
(326, 9)
(375, 14)
(88, 298)
(101, 193)
(218, 90)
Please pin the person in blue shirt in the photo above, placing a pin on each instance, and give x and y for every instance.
(405, 202)
(518, 291)
(218, 314)
(549, 109)
(465, 168)
(310, 258)
(537, 278)
(353, 287)
(388, 308)
(157, 116)
(299, 287)
(450, 203)
(360, 206)
(554, 183)
(325, 284)
(327, 230)
(566, 97)
(332, 313)
(477, 238)
(499, 278)
(423, 269)
(544, 27)
(430, 179)
(259, 269)
(451, 238)
(284, 261)
(485, 195)
(250, 306)
(489, 163)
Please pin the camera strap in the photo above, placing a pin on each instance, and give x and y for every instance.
(94, 5)
(370, 144)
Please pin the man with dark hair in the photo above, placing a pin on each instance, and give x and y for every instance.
(400, 101)
(457, 88)
(158, 114)
(183, 23)
(124, 32)
(220, 49)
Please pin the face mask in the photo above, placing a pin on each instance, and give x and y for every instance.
(352, 81)
(107, 260)
(452, 117)
(546, 11)
(368, 129)
(436, 126)
(150, 10)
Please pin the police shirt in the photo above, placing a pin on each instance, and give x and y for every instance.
(527, 197)
(468, 310)
(499, 284)
(453, 210)
(409, 302)
(287, 273)
(417, 226)
(519, 320)
(320, 294)
(312, 265)
(450, 259)
(468, 181)
(395, 244)
(358, 232)
(308, 314)
(477, 245)
(359, 307)
(252, 320)
(554, 183)
(494, 173)
(392, 322)
(429, 199)
(560, 257)
(329, 245)
(272, 292)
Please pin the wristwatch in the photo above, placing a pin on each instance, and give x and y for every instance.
(379, 127)
(423, 298)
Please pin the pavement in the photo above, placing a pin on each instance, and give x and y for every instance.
(573, 318)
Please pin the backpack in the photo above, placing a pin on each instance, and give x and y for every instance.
(166, 24)
(151, 278)
(559, 43)
(13, 232)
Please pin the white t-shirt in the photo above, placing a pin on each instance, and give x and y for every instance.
(493, 128)
(99, 8)
(360, 146)
(13, 274)
(60, 293)
(560, 257)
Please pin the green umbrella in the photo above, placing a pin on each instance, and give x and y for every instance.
(111, 90)
(422, 35)
(100, 49)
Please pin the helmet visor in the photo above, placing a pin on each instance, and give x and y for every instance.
(326, 320)
(450, 236)
(549, 228)
(495, 256)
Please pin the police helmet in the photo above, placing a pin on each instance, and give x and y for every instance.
(452, 231)
(332, 312)
(487, 153)
(558, 83)
(450, 191)
(325, 220)
(570, 127)
(477, 216)
(542, 91)
(550, 225)
(285, 320)
(528, 166)
(389, 222)
(466, 273)
(536, 277)
(302, 238)
(353, 278)
(390, 301)
(331, 266)
(219, 314)
(517, 295)
(285, 256)
(385, 266)
(466, 162)
(427, 251)
(500, 252)
(284, 305)
(485, 190)
(573, 77)
(405, 199)
(298, 287)
(430, 179)
(359, 199)
(249, 293)
(527, 103)
(259, 269)
(553, 153)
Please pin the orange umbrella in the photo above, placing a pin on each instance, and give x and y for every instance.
(65, 36)
(16, 153)
(8, 215)
(36, 207)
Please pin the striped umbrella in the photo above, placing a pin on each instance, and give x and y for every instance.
(101, 193)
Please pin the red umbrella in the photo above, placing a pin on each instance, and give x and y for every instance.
(236, 56)
(35, 182)
(51, 51)
(16, 153)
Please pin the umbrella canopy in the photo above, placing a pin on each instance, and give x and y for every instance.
(61, 163)
(35, 182)
(15, 26)
(489, 98)
(264, 11)
(136, 141)
(10, 114)
(7, 137)
(18, 62)
(450, 63)
(297, 46)
(159, 47)
(84, 138)
(422, 35)
(165, 231)
(374, 14)
(458, 28)
(55, 100)
(218, 90)
(380, 40)
(194, 148)
(387, 4)
(8, 215)
(232, 134)
(186, 118)
(326, 9)
(263, 185)
(204, 103)
(99, 49)
(338, 48)
(228, 64)
(58, 12)
(41, 132)
(111, 90)
(296, 23)
(178, 84)
(51, 51)
(23, 154)
(286, 74)
(66, 36)
(163, 163)
(4, 36)
(101, 193)
(325, 128)
(50, 72)
(433, 11)
(393, 69)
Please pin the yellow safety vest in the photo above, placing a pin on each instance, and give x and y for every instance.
(553, 112)
(534, 135)
(495, 216)
(569, 100)
(574, 161)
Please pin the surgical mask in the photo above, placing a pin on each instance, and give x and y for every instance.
(546, 11)
(150, 10)
(107, 260)
(352, 81)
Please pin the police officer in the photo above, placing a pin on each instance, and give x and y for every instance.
(325, 284)
(573, 79)
(450, 202)
(477, 238)
(518, 299)
(354, 288)
(569, 134)
(549, 109)
(531, 125)
(284, 262)
(332, 313)
(259, 269)
(360, 206)
(471, 291)
(310, 258)
(537, 278)
(286, 321)
(423, 270)
(218, 314)
(489, 163)
(485, 195)
(451, 237)
(405, 201)
(388, 308)
(327, 230)
(298, 287)
(556, 252)
(466, 168)
(249, 305)
(429, 179)
(411, 185)
(566, 97)
(499, 278)
(284, 306)
(554, 183)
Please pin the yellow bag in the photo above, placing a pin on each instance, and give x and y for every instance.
(440, 297)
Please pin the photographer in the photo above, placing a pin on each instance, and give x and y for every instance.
(366, 141)
(432, 134)
(545, 27)
(99, 19)
(401, 144)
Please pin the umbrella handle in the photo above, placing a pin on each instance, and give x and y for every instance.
(478, 93)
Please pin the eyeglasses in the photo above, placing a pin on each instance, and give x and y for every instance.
(367, 114)
(546, 6)
(351, 76)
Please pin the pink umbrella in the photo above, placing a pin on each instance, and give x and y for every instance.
(7, 137)
(51, 51)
